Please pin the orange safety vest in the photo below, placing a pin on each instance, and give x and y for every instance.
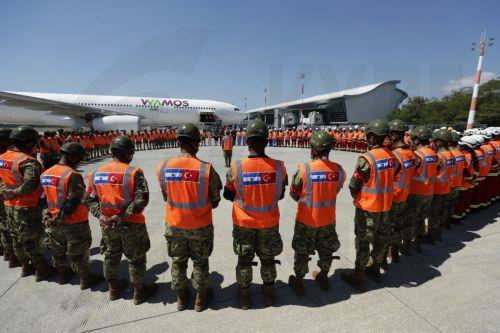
(376, 195)
(47, 144)
(55, 184)
(488, 159)
(458, 170)
(467, 165)
(185, 181)
(496, 147)
(227, 143)
(113, 183)
(481, 163)
(402, 181)
(11, 176)
(258, 182)
(444, 177)
(423, 179)
(322, 180)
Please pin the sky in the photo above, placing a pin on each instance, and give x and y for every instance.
(232, 50)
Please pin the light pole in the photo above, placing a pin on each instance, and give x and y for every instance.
(302, 76)
(475, 91)
(245, 104)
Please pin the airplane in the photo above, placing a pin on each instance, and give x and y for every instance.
(111, 112)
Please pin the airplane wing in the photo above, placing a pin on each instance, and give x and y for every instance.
(56, 107)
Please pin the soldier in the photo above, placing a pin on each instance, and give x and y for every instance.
(458, 174)
(117, 194)
(191, 189)
(67, 218)
(255, 185)
(441, 198)
(227, 148)
(20, 187)
(45, 150)
(315, 186)
(371, 187)
(401, 229)
(422, 184)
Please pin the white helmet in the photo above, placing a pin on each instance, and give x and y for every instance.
(479, 139)
(468, 141)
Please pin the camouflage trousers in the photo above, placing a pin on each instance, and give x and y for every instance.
(266, 243)
(417, 211)
(370, 229)
(130, 239)
(398, 223)
(25, 225)
(194, 244)
(307, 240)
(5, 234)
(71, 240)
(439, 211)
(452, 202)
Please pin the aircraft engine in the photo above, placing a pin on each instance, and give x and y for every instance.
(109, 123)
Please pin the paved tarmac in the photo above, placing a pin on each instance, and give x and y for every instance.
(451, 287)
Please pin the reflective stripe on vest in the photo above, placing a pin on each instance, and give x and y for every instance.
(442, 178)
(425, 168)
(308, 199)
(60, 190)
(377, 189)
(125, 188)
(401, 183)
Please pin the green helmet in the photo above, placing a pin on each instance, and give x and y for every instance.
(397, 125)
(73, 148)
(321, 140)
(455, 136)
(24, 134)
(377, 127)
(5, 133)
(123, 143)
(422, 133)
(257, 128)
(443, 135)
(188, 131)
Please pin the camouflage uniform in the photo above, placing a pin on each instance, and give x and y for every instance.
(5, 234)
(439, 209)
(418, 209)
(398, 223)
(127, 238)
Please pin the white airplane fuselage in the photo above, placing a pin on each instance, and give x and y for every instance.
(152, 111)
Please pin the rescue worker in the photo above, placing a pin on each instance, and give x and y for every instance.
(117, 194)
(227, 148)
(67, 217)
(20, 186)
(371, 187)
(255, 185)
(458, 174)
(315, 186)
(45, 149)
(191, 189)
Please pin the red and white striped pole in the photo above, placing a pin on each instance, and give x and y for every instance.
(473, 102)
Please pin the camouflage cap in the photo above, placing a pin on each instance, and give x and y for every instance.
(188, 130)
(443, 135)
(24, 134)
(377, 127)
(321, 140)
(123, 143)
(397, 125)
(73, 148)
(257, 128)
(421, 132)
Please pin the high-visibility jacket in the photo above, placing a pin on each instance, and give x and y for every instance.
(274, 135)
(227, 142)
(258, 182)
(496, 159)
(54, 144)
(321, 181)
(423, 179)
(402, 181)
(458, 169)
(55, 185)
(45, 148)
(10, 173)
(113, 184)
(488, 159)
(376, 194)
(481, 163)
(466, 183)
(444, 177)
(185, 180)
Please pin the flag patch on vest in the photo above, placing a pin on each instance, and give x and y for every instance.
(114, 178)
(409, 163)
(7, 165)
(259, 178)
(459, 159)
(386, 163)
(324, 176)
(450, 161)
(430, 159)
(50, 181)
(182, 175)
(490, 152)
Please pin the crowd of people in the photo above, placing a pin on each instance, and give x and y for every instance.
(403, 180)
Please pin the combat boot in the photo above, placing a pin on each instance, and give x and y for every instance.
(89, 280)
(385, 264)
(27, 270)
(202, 299)
(321, 279)
(267, 294)
(13, 261)
(356, 279)
(417, 244)
(395, 253)
(64, 274)
(244, 298)
(406, 248)
(429, 238)
(43, 272)
(6, 255)
(297, 285)
(182, 299)
(373, 272)
(143, 292)
(116, 288)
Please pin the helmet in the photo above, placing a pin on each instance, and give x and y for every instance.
(321, 140)
(468, 141)
(479, 139)
(257, 128)
(443, 135)
(455, 136)
(73, 148)
(377, 127)
(5, 133)
(397, 125)
(421, 132)
(486, 134)
(24, 134)
(189, 131)
(123, 143)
